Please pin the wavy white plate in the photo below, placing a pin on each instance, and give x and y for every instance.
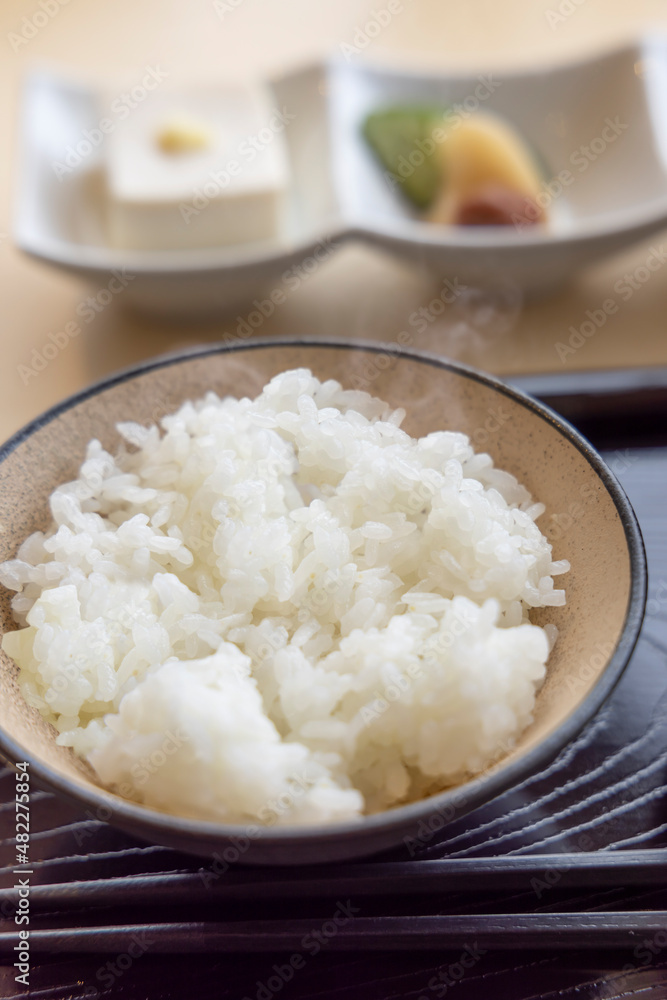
(610, 186)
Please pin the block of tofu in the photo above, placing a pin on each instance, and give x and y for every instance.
(197, 169)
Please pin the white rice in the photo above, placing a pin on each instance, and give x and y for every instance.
(286, 610)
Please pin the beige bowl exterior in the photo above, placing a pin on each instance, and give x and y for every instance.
(588, 519)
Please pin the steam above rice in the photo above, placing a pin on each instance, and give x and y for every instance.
(286, 610)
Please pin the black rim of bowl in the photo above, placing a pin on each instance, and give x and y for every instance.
(151, 824)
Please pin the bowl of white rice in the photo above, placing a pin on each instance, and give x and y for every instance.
(304, 601)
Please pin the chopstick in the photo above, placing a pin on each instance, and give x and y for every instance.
(534, 873)
(359, 934)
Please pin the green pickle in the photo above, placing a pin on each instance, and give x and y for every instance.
(403, 140)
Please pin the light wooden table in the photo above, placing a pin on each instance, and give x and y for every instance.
(358, 293)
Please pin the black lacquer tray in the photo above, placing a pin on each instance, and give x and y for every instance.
(558, 888)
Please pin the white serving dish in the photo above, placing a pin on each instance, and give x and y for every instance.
(617, 194)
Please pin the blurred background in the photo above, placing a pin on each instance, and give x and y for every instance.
(359, 291)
